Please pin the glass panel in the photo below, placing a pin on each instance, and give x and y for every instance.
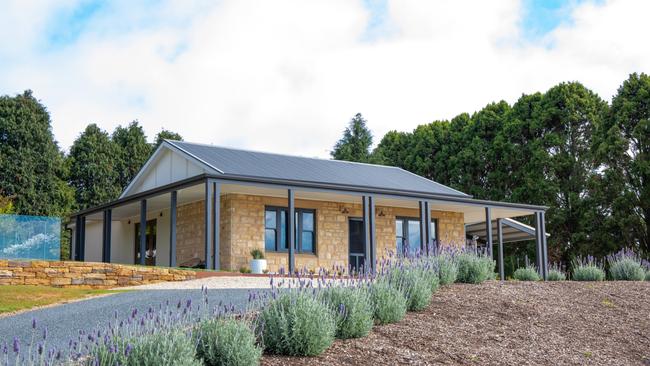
(399, 224)
(284, 241)
(308, 221)
(270, 219)
(414, 236)
(307, 241)
(30, 237)
(398, 241)
(269, 239)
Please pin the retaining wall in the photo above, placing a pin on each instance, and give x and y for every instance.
(85, 274)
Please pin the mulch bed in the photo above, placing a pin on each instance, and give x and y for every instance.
(512, 323)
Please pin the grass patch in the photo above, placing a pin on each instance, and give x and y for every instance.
(21, 297)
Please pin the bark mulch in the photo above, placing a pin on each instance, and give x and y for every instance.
(512, 323)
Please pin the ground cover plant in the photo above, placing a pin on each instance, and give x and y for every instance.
(222, 342)
(528, 273)
(587, 269)
(389, 303)
(353, 309)
(447, 267)
(626, 265)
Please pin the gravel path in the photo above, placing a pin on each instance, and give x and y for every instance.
(220, 282)
(64, 321)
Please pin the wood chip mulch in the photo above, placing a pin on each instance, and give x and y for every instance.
(512, 323)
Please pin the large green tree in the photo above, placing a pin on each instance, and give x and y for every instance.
(32, 171)
(166, 135)
(133, 150)
(623, 149)
(94, 160)
(355, 143)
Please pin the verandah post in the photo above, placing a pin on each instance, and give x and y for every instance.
(291, 220)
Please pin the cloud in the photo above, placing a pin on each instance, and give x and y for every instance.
(286, 76)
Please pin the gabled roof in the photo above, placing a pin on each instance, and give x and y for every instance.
(237, 162)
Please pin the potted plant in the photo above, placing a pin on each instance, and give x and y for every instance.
(258, 263)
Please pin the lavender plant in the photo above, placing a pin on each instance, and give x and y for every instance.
(474, 267)
(447, 267)
(227, 342)
(296, 323)
(528, 273)
(626, 265)
(353, 308)
(389, 303)
(556, 273)
(587, 269)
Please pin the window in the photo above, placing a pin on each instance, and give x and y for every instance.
(407, 234)
(275, 230)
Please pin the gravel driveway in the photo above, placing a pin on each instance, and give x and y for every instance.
(64, 321)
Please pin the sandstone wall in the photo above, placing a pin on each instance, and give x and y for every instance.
(85, 274)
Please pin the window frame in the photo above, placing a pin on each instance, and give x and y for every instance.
(298, 233)
(405, 230)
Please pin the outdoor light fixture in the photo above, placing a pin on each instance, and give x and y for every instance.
(381, 213)
(345, 210)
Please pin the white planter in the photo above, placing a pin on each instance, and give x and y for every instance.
(258, 266)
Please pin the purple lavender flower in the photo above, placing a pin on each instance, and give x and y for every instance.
(40, 348)
(16, 345)
(44, 333)
(127, 350)
(33, 323)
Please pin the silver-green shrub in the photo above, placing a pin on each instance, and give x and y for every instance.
(297, 324)
(528, 273)
(587, 269)
(647, 275)
(626, 266)
(556, 274)
(474, 268)
(415, 283)
(447, 268)
(389, 303)
(353, 308)
(227, 342)
(168, 348)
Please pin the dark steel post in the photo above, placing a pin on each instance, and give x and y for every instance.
(373, 245)
(208, 224)
(538, 242)
(488, 231)
(423, 227)
(172, 228)
(502, 271)
(143, 231)
(427, 231)
(544, 247)
(82, 239)
(216, 203)
(106, 238)
(74, 255)
(291, 235)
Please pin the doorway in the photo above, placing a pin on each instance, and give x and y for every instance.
(357, 244)
(150, 243)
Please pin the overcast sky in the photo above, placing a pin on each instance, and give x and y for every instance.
(287, 76)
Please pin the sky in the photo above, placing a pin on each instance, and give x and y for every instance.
(286, 76)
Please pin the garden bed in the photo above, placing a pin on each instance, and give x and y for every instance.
(512, 323)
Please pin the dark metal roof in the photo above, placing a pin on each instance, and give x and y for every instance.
(237, 162)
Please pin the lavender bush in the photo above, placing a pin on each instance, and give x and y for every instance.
(587, 269)
(389, 303)
(556, 273)
(474, 267)
(626, 266)
(528, 273)
(447, 267)
(297, 324)
(353, 308)
(224, 342)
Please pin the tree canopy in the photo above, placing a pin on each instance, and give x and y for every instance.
(356, 142)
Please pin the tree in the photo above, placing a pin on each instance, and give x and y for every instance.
(166, 135)
(133, 151)
(355, 143)
(94, 161)
(622, 146)
(31, 165)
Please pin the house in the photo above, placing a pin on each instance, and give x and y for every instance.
(201, 205)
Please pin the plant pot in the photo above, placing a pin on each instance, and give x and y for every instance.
(258, 266)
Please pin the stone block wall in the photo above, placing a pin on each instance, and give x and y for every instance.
(190, 232)
(85, 274)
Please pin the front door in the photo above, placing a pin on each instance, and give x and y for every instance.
(357, 244)
(150, 243)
